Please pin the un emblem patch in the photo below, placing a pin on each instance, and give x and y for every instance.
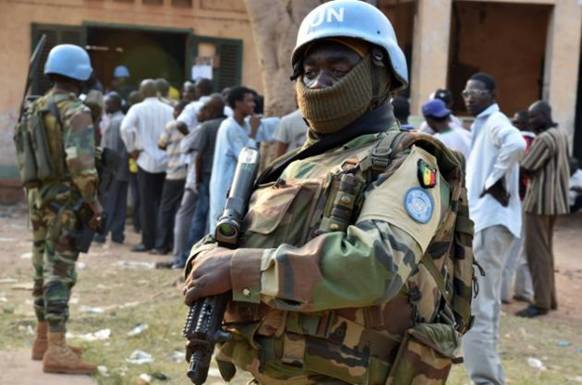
(418, 204)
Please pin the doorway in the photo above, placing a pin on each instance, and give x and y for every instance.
(146, 52)
(506, 40)
(401, 14)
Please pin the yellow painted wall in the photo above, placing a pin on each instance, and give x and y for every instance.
(217, 18)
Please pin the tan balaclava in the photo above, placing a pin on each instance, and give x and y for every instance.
(330, 109)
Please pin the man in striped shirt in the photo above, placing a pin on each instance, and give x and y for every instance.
(546, 165)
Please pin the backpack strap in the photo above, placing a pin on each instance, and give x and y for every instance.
(381, 156)
(455, 293)
(54, 110)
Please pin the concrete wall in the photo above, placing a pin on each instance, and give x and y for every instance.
(218, 18)
(430, 50)
(563, 58)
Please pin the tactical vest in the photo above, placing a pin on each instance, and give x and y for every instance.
(413, 336)
(39, 142)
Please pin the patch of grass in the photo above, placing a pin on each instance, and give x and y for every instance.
(537, 338)
(130, 297)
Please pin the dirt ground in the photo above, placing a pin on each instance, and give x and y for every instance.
(568, 254)
(118, 290)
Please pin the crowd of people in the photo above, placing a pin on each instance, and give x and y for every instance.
(178, 157)
(184, 154)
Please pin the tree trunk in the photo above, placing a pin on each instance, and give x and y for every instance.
(275, 24)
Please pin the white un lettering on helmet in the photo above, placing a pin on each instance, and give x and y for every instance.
(328, 15)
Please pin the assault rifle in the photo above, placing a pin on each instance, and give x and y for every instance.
(204, 322)
(32, 69)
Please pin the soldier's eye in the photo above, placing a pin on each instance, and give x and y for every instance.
(310, 74)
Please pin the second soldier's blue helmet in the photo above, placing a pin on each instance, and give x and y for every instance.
(121, 71)
(70, 61)
(354, 19)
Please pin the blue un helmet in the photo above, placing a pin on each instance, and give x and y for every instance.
(355, 19)
(70, 61)
(121, 71)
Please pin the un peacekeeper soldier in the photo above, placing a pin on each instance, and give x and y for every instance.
(324, 297)
(54, 208)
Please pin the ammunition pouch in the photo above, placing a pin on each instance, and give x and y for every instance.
(426, 354)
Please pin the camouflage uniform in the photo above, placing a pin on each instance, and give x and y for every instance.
(53, 206)
(316, 301)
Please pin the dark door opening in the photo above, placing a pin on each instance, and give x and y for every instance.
(506, 40)
(147, 53)
(401, 13)
(577, 148)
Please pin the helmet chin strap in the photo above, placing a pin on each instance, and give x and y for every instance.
(381, 76)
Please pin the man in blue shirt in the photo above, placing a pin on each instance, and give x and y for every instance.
(234, 134)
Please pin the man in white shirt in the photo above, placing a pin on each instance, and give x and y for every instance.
(189, 116)
(495, 207)
(140, 130)
(438, 118)
(234, 134)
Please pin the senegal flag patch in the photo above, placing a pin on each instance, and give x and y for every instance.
(427, 175)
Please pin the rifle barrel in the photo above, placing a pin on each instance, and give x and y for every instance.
(32, 66)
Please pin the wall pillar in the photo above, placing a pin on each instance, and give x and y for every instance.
(430, 52)
(562, 60)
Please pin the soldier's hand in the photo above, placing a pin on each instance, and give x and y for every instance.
(210, 275)
(97, 216)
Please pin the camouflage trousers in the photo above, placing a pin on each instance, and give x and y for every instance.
(53, 258)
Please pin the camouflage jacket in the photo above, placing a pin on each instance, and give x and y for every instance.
(72, 148)
(311, 299)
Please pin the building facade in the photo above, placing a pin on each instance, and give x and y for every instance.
(532, 47)
(153, 38)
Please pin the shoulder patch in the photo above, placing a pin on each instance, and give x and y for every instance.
(419, 205)
(427, 175)
(402, 201)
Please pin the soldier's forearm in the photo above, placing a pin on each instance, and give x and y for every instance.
(379, 257)
(87, 186)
